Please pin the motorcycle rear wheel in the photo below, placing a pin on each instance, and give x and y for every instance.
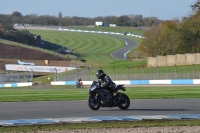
(93, 102)
(124, 102)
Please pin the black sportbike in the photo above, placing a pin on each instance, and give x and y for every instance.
(100, 97)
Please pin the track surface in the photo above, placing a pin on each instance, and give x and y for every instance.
(131, 44)
(63, 109)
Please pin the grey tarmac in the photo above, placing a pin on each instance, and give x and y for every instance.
(79, 108)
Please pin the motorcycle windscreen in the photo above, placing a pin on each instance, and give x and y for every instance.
(119, 87)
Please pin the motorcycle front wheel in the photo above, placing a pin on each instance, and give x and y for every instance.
(93, 102)
(124, 102)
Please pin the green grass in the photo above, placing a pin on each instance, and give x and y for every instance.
(57, 93)
(121, 66)
(109, 29)
(100, 125)
(135, 52)
(94, 48)
(125, 63)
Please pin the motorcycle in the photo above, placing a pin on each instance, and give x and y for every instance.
(101, 97)
(79, 84)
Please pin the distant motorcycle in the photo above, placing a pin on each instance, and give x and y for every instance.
(100, 97)
(79, 84)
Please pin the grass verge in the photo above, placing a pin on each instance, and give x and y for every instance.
(132, 30)
(95, 49)
(60, 93)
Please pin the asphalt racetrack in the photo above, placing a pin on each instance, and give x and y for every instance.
(130, 44)
(65, 109)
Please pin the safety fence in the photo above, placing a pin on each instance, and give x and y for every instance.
(127, 73)
(33, 26)
(101, 32)
(16, 77)
(132, 76)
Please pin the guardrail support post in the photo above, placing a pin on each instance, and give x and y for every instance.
(114, 73)
(89, 73)
(128, 71)
(175, 71)
(143, 72)
(56, 75)
(158, 72)
(193, 71)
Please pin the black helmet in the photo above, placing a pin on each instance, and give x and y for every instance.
(100, 73)
(79, 79)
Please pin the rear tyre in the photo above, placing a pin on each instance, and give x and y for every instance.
(124, 102)
(93, 102)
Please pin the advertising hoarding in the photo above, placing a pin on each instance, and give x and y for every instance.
(50, 69)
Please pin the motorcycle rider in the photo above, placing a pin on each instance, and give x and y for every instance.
(105, 81)
(79, 82)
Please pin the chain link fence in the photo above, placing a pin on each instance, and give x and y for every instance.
(142, 73)
(16, 77)
(88, 74)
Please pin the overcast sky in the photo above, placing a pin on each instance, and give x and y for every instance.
(162, 9)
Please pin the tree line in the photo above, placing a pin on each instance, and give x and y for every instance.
(164, 38)
(24, 36)
(173, 36)
(20, 36)
(123, 20)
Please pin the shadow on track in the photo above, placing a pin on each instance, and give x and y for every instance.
(147, 110)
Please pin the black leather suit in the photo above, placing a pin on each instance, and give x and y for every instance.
(106, 82)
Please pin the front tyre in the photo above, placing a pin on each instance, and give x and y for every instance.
(93, 102)
(124, 102)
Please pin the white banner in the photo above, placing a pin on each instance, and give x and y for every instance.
(50, 69)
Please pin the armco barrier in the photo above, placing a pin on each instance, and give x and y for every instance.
(16, 85)
(138, 82)
(100, 32)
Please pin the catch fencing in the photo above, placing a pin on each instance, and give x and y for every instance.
(16, 77)
(127, 73)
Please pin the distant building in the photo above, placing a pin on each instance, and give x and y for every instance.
(112, 25)
(99, 23)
